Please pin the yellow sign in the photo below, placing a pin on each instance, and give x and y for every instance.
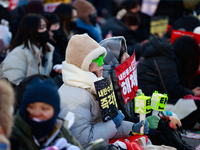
(159, 25)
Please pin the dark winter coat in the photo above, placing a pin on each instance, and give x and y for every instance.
(22, 139)
(159, 71)
(118, 28)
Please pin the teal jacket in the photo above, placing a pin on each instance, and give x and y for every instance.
(22, 139)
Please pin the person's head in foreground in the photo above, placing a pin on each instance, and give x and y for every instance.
(40, 107)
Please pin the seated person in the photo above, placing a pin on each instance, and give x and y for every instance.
(82, 67)
(117, 54)
(36, 125)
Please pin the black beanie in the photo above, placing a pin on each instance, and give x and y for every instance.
(41, 91)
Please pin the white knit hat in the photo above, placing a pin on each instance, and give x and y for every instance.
(82, 50)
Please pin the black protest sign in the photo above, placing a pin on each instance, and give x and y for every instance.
(106, 98)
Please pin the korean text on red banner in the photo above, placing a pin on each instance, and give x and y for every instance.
(127, 78)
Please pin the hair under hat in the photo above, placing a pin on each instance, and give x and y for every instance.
(81, 50)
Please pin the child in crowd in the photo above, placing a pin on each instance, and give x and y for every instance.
(84, 66)
(36, 124)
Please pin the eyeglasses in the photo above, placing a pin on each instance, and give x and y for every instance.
(99, 60)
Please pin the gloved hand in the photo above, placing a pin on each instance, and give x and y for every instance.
(153, 121)
(57, 68)
(136, 127)
(139, 92)
(169, 113)
(118, 119)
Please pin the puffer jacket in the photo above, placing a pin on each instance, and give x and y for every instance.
(88, 124)
(21, 62)
(158, 71)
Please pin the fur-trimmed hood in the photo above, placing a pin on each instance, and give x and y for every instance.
(81, 50)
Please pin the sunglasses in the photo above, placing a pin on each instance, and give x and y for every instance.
(99, 60)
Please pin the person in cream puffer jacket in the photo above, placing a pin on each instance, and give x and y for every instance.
(78, 93)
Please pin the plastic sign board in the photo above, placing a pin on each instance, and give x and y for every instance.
(159, 101)
(106, 98)
(142, 104)
(127, 78)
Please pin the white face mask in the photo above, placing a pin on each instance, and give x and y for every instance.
(36, 119)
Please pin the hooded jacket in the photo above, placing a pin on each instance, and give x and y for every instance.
(113, 46)
(21, 63)
(158, 71)
(78, 93)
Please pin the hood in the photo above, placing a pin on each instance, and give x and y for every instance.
(113, 47)
(156, 47)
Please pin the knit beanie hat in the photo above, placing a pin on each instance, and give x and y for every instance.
(113, 46)
(82, 50)
(84, 8)
(40, 91)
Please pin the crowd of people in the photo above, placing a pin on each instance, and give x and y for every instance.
(49, 62)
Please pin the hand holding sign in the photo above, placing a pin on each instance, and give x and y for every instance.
(142, 106)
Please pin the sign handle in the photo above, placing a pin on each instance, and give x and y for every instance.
(142, 117)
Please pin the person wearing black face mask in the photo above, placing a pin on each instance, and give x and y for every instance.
(93, 19)
(67, 15)
(31, 52)
(86, 21)
(58, 40)
(72, 25)
(43, 37)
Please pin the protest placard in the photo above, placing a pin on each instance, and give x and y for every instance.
(127, 78)
(106, 98)
(158, 25)
(177, 33)
(50, 5)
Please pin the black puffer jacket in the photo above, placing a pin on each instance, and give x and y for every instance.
(158, 71)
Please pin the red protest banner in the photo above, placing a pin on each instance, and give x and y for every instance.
(127, 78)
(176, 34)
